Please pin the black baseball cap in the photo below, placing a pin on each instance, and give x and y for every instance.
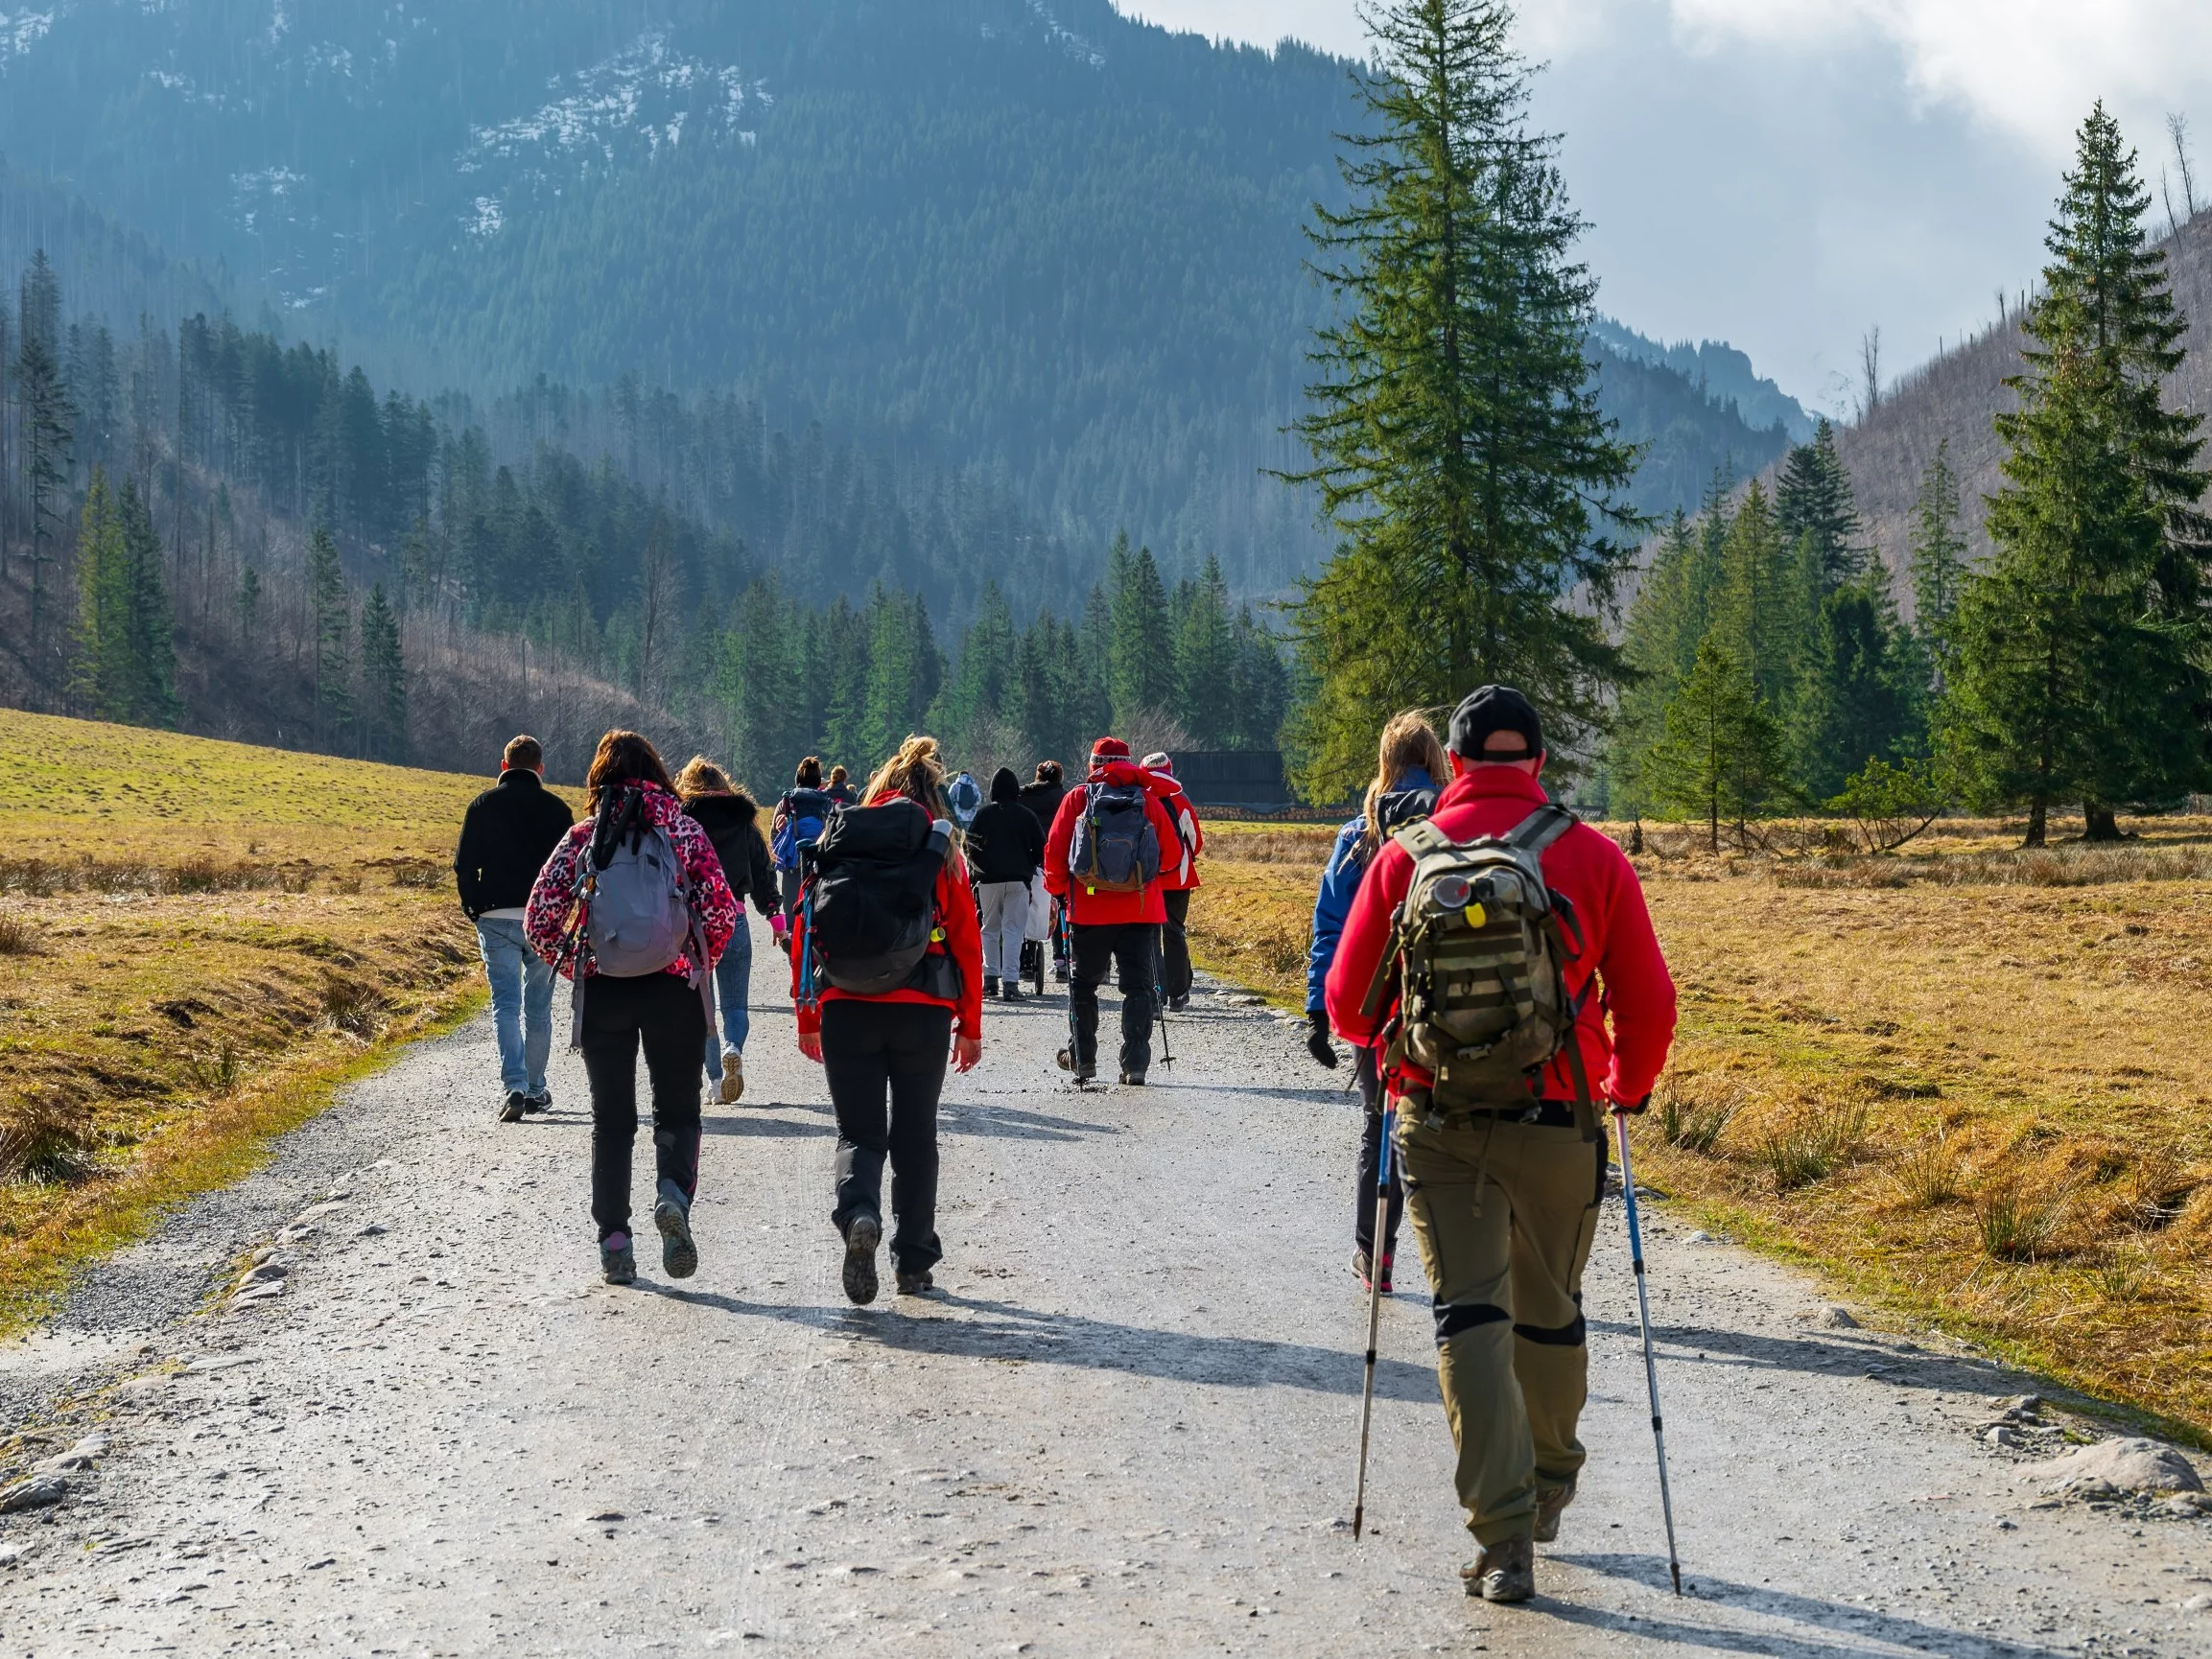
(1494, 709)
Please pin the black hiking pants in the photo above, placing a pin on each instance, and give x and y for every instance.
(1370, 1163)
(1175, 944)
(1124, 948)
(885, 1063)
(662, 1013)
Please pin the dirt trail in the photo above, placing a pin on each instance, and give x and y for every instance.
(1128, 1428)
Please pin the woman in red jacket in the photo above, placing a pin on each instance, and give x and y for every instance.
(893, 1044)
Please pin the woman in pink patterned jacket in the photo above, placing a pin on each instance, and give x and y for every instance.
(663, 1011)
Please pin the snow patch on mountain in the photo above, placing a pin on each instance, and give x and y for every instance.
(646, 92)
(20, 31)
(1066, 38)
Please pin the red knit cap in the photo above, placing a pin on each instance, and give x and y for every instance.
(1109, 749)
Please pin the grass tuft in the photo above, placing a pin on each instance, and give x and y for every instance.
(1928, 1174)
(1694, 1125)
(352, 1008)
(17, 936)
(1811, 1147)
(46, 1140)
(2017, 1226)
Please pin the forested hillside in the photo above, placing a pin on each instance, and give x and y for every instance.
(1043, 259)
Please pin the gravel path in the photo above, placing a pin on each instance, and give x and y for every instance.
(1128, 1427)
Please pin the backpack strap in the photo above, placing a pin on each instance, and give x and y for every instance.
(1421, 839)
(1542, 827)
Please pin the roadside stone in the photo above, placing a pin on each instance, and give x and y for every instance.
(262, 1274)
(2123, 1465)
(1835, 1317)
(9, 1554)
(2197, 1604)
(2183, 1506)
(38, 1492)
(80, 1456)
(2004, 1435)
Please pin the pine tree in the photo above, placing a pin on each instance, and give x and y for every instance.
(1141, 671)
(1939, 553)
(1457, 442)
(150, 629)
(124, 660)
(2080, 667)
(1859, 698)
(383, 681)
(332, 639)
(1722, 758)
(1671, 614)
(46, 427)
(1208, 658)
(1760, 608)
(1814, 510)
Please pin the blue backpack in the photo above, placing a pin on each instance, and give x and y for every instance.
(801, 816)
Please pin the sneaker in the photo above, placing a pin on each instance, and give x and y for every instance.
(919, 1284)
(1360, 1265)
(990, 985)
(1083, 1073)
(542, 1101)
(733, 1076)
(1502, 1572)
(1551, 1503)
(863, 1234)
(517, 1103)
(617, 1261)
(673, 1215)
(1177, 1004)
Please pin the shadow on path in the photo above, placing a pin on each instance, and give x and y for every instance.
(1827, 1629)
(994, 1122)
(1003, 1331)
(1823, 1355)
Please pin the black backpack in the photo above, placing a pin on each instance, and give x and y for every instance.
(872, 900)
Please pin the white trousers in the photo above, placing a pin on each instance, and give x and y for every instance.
(1005, 906)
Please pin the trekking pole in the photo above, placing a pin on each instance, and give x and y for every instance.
(1160, 999)
(1650, 1368)
(1373, 1317)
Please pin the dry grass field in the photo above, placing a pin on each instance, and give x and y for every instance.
(197, 940)
(1968, 1082)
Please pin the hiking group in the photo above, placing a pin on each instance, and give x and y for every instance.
(1489, 960)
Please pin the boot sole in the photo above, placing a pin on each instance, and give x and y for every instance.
(511, 1114)
(860, 1241)
(679, 1255)
(733, 1086)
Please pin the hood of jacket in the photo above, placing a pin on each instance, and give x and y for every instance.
(723, 813)
(1004, 786)
(1122, 773)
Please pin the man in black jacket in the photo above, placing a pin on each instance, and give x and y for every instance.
(1005, 850)
(506, 838)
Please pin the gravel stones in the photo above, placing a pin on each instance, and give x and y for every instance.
(38, 1492)
(2124, 1466)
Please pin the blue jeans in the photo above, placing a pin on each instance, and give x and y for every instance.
(522, 988)
(733, 994)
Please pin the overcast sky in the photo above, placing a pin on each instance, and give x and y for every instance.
(1788, 174)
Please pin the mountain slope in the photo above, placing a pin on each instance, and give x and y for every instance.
(1028, 239)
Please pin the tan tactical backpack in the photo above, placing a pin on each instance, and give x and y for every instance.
(1479, 954)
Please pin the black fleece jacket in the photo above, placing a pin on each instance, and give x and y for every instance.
(507, 834)
(1005, 842)
(733, 824)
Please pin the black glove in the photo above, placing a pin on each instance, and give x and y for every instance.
(1317, 1043)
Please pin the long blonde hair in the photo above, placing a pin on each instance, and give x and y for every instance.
(1408, 741)
(917, 771)
(700, 775)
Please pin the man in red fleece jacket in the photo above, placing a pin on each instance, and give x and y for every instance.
(1112, 931)
(1504, 1200)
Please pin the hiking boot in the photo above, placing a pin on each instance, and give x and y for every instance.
(919, 1284)
(1360, 1266)
(1083, 1073)
(1551, 1503)
(617, 1261)
(517, 1103)
(862, 1234)
(1502, 1572)
(990, 985)
(542, 1101)
(1177, 1004)
(1059, 973)
(733, 1076)
(1012, 992)
(673, 1215)
(1133, 1079)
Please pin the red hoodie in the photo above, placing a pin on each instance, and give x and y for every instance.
(955, 902)
(1618, 946)
(1089, 909)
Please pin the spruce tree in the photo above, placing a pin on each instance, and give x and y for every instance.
(1207, 658)
(150, 628)
(333, 613)
(99, 663)
(1722, 758)
(2080, 669)
(1939, 553)
(1814, 510)
(1140, 662)
(45, 424)
(1759, 604)
(1458, 447)
(1859, 698)
(384, 679)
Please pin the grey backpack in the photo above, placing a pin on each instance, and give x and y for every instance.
(637, 909)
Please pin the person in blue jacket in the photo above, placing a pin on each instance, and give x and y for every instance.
(1409, 771)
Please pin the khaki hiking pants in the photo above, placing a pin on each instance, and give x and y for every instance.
(1505, 1213)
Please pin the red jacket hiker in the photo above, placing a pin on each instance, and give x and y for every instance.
(1618, 944)
(1089, 909)
(956, 903)
(1179, 860)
